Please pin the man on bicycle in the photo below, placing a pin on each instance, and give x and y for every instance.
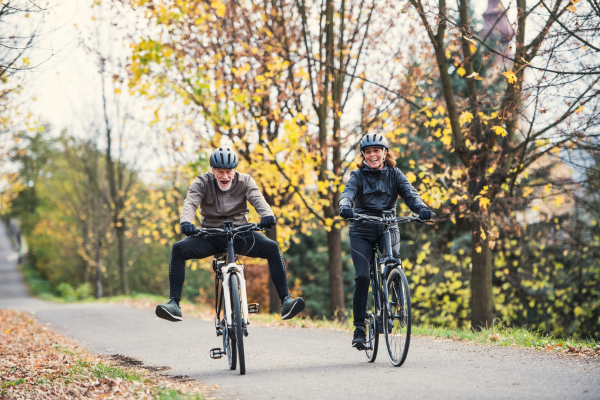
(223, 195)
(373, 188)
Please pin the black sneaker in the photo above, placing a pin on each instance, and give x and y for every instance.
(169, 311)
(291, 307)
(360, 338)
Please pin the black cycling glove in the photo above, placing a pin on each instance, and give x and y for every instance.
(426, 214)
(267, 222)
(188, 228)
(346, 213)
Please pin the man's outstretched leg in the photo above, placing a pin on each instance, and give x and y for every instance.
(257, 245)
(183, 250)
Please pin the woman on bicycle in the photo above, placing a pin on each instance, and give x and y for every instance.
(372, 189)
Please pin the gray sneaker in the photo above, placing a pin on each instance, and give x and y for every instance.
(169, 311)
(291, 307)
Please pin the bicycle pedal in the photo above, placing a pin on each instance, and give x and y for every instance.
(253, 308)
(216, 353)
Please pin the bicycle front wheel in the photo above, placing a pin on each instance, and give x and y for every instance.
(238, 328)
(228, 335)
(371, 323)
(397, 317)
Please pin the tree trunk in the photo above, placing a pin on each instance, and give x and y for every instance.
(336, 279)
(115, 192)
(122, 268)
(274, 301)
(98, 260)
(481, 277)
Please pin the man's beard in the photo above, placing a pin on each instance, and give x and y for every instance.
(226, 187)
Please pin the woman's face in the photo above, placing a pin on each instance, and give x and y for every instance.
(374, 157)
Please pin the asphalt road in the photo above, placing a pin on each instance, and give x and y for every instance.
(294, 363)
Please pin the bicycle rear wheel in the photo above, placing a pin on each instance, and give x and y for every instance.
(371, 323)
(397, 324)
(238, 328)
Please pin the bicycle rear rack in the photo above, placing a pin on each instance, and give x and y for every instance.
(253, 308)
(217, 353)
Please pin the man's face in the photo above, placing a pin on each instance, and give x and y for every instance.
(374, 156)
(224, 177)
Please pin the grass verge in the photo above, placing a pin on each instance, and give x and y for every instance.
(37, 363)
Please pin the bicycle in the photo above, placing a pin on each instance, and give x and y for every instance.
(395, 316)
(230, 297)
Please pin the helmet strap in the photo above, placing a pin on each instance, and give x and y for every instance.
(384, 156)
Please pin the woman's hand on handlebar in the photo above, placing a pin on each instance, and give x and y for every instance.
(426, 214)
(347, 213)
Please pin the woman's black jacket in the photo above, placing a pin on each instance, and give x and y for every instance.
(371, 191)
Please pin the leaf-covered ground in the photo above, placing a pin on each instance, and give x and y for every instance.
(37, 363)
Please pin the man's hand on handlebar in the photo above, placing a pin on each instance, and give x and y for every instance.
(267, 222)
(188, 229)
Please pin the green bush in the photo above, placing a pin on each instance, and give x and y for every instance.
(66, 292)
(38, 285)
(84, 291)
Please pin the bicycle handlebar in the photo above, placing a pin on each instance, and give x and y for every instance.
(390, 221)
(219, 231)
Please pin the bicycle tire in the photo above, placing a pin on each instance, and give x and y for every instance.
(237, 322)
(228, 342)
(398, 325)
(371, 324)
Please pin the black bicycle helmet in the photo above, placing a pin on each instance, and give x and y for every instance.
(223, 157)
(373, 140)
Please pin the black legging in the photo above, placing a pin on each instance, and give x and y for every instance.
(363, 237)
(251, 244)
